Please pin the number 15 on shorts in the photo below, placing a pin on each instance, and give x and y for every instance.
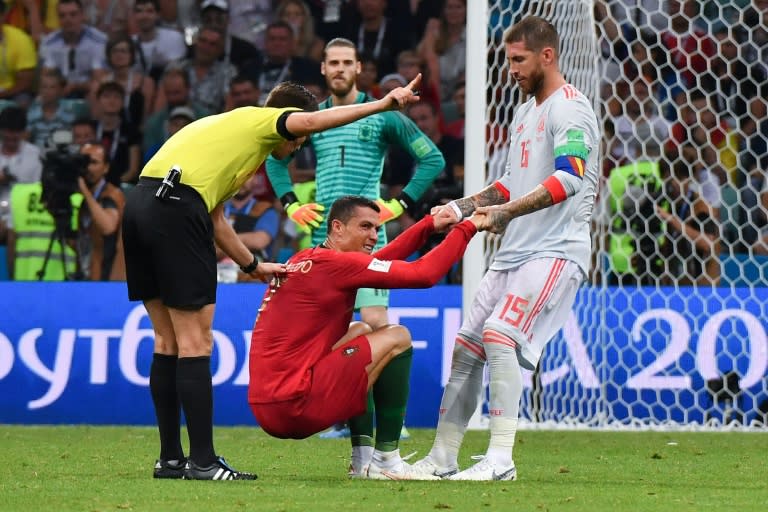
(514, 310)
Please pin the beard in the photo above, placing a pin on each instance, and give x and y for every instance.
(533, 83)
(341, 90)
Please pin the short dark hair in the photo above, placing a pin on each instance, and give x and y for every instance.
(155, 3)
(537, 34)
(241, 79)
(291, 94)
(13, 119)
(116, 39)
(83, 121)
(340, 42)
(110, 86)
(76, 2)
(344, 207)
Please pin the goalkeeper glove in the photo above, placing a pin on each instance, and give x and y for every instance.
(306, 216)
(390, 209)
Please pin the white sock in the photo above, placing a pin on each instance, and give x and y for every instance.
(361, 456)
(506, 388)
(386, 459)
(460, 399)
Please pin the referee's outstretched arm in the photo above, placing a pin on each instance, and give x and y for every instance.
(300, 124)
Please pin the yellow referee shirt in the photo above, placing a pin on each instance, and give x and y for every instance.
(217, 154)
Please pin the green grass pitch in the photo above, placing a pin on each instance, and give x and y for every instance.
(93, 469)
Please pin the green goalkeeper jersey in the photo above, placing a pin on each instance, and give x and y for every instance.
(350, 159)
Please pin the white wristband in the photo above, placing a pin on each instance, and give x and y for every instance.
(455, 207)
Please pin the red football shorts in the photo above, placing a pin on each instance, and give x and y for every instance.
(338, 391)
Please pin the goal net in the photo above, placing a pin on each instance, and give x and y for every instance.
(670, 329)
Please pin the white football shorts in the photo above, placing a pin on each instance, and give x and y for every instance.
(529, 304)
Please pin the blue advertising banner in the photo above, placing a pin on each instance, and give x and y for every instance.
(80, 352)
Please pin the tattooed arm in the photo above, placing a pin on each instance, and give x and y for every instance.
(499, 216)
(462, 208)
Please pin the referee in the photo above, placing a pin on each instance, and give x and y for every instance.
(172, 218)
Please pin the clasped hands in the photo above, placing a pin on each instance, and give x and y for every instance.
(485, 218)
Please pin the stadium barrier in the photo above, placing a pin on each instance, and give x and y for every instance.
(73, 353)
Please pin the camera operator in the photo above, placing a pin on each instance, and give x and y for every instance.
(98, 239)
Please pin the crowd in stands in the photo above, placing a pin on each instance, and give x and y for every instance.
(684, 92)
(122, 76)
(683, 95)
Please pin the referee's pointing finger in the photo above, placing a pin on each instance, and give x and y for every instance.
(414, 85)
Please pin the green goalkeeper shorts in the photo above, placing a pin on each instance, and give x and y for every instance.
(368, 297)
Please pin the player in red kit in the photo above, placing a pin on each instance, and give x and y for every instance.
(311, 368)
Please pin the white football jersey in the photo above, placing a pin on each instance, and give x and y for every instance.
(564, 125)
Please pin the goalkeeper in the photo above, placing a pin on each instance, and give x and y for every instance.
(349, 162)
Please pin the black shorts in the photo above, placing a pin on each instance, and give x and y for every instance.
(169, 249)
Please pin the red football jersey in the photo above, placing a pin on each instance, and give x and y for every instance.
(310, 311)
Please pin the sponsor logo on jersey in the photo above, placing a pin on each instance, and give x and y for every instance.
(379, 265)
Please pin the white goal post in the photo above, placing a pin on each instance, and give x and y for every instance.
(670, 330)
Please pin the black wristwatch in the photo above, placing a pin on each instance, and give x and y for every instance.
(251, 266)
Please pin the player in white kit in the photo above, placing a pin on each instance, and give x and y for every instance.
(526, 296)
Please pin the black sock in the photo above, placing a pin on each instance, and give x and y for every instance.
(162, 386)
(193, 380)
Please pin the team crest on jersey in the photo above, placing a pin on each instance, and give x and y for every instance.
(348, 351)
(520, 128)
(379, 265)
(365, 133)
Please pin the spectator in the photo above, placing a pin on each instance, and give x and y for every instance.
(444, 46)
(368, 78)
(249, 20)
(139, 88)
(254, 219)
(76, 50)
(279, 63)
(178, 118)
(109, 17)
(693, 229)
(390, 82)
(690, 48)
(306, 42)
(243, 92)
(48, 113)
(83, 131)
(99, 220)
(28, 16)
(119, 139)
(175, 90)
(410, 64)
(19, 160)
(639, 130)
(705, 142)
(736, 79)
(378, 35)
(19, 60)
(207, 75)
(455, 127)
(237, 51)
(156, 46)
